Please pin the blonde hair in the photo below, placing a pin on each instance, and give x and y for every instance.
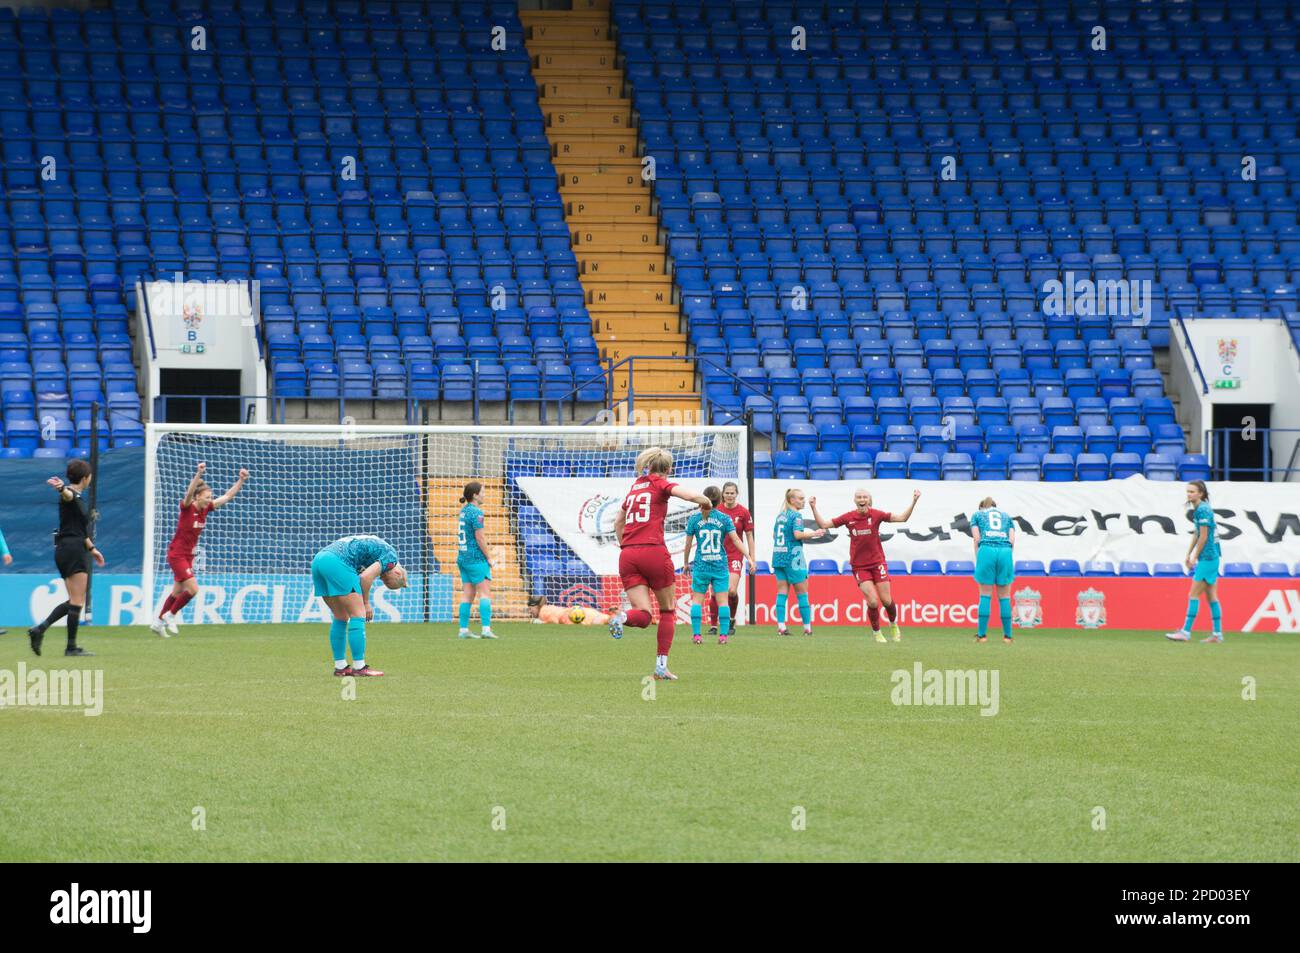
(987, 502)
(654, 460)
(789, 493)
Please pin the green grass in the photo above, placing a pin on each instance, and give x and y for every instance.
(549, 724)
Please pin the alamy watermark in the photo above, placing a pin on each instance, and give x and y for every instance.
(1106, 297)
(953, 686)
(57, 688)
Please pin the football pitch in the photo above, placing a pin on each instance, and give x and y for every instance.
(235, 743)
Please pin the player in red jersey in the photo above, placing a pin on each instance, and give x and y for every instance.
(867, 557)
(644, 564)
(195, 507)
(744, 523)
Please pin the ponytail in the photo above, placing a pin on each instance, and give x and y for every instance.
(472, 489)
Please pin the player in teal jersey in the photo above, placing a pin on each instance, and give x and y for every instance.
(342, 574)
(712, 530)
(788, 563)
(473, 562)
(1203, 560)
(994, 534)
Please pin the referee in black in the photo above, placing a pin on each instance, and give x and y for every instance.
(73, 550)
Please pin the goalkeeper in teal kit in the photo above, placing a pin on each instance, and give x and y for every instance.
(342, 574)
(994, 534)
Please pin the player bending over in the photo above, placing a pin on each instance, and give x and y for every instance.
(1203, 560)
(710, 529)
(195, 507)
(543, 611)
(994, 534)
(473, 562)
(342, 574)
(644, 564)
(744, 521)
(867, 555)
(788, 563)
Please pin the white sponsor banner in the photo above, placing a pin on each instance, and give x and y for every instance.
(1106, 521)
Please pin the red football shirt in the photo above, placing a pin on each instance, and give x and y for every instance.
(864, 536)
(744, 523)
(644, 508)
(188, 527)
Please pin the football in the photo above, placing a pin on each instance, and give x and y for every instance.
(577, 614)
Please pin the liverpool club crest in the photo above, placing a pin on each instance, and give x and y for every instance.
(1027, 608)
(1091, 611)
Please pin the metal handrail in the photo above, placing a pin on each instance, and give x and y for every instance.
(630, 363)
(1187, 337)
(1218, 439)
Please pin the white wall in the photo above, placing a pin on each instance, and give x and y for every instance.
(1257, 354)
(201, 325)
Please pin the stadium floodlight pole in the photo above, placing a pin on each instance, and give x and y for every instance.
(94, 495)
(750, 584)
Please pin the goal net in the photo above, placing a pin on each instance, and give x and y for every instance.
(550, 497)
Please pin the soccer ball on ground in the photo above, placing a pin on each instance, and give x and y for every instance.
(577, 614)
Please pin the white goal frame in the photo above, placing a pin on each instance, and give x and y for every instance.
(633, 437)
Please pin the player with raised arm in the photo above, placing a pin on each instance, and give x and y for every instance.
(473, 562)
(73, 550)
(994, 533)
(1203, 560)
(342, 574)
(788, 563)
(711, 530)
(197, 503)
(542, 611)
(867, 556)
(744, 523)
(644, 564)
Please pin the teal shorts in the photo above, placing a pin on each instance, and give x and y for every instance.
(702, 577)
(994, 566)
(331, 576)
(1207, 571)
(791, 574)
(474, 573)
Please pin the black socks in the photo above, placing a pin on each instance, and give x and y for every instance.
(59, 612)
(74, 618)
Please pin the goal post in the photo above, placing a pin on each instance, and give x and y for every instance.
(550, 497)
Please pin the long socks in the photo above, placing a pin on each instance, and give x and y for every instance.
(781, 599)
(74, 617)
(1004, 610)
(873, 616)
(1193, 606)
(697, 619)
(724, 620)
(485, 612)
(1216, 616)
(637, 618)
(464, 616)
(665, 632)
(357, 641)
(986, 605)
(805, 610)
(339, 642)
(57, 613)
(891, 611)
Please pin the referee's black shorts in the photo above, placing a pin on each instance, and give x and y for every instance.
(71, 556)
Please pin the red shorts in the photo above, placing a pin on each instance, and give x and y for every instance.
(181, 568)
(735, 565)
(876, 572)
(646, 566)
